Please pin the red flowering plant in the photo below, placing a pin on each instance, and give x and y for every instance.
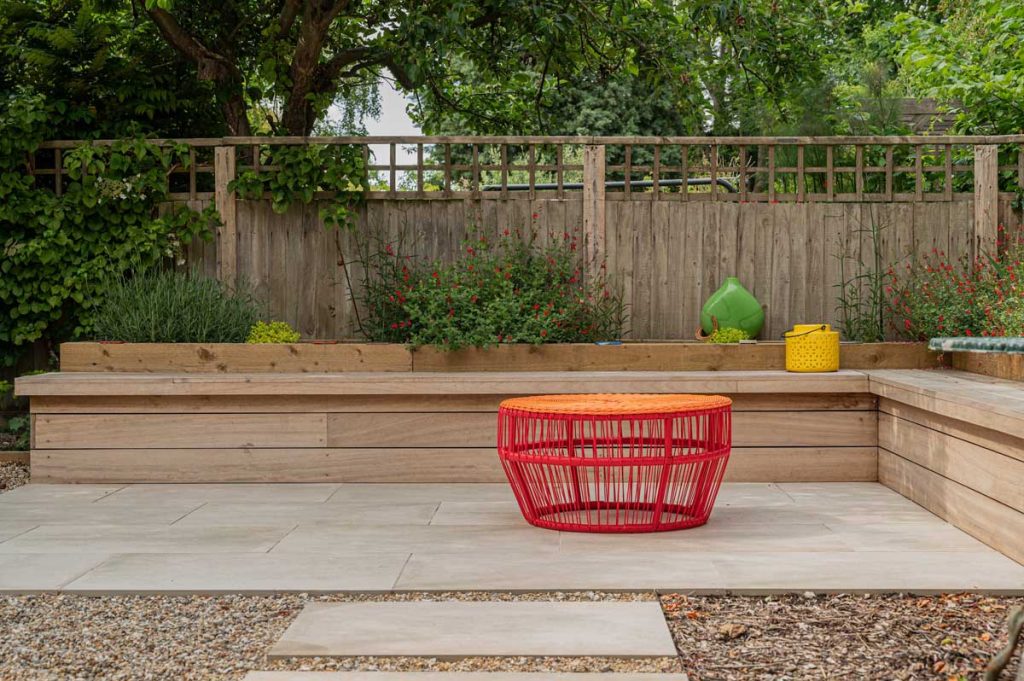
(509, 290)
(937, 297)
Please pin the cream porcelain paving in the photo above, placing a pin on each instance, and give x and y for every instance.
(455, 629)
(365, 537)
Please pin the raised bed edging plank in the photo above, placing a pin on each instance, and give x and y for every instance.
(346, 357)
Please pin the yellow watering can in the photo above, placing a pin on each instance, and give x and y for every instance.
(812, 348)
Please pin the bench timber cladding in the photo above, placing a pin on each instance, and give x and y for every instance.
(101, 426)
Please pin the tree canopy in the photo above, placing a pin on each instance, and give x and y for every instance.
(191, 67)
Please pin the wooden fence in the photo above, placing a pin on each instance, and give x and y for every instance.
(671, 217)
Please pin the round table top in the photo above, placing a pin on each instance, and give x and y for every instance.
(621, 404)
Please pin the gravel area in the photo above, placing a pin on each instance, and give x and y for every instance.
(887, 637)
(12, 475)
(785, 637)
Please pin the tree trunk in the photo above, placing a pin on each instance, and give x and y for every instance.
(236, 115)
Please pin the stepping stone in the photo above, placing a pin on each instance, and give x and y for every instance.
(458, 676)
(456, 629)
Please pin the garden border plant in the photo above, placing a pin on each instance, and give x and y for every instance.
(60, 249)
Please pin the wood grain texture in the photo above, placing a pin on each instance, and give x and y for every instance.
(99, 431)
(233, 357)
(997, 364)
(749, 429)
(994, 440)
(842, 464)
(983, 470)
(329, 358)
(142, 404)
(989, 521)
(98, 384)
(991, 403)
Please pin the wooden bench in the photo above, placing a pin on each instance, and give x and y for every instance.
(954, 443)
(406, 426)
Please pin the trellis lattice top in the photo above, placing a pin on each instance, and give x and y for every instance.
(741, 169)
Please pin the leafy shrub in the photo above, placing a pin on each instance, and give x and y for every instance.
(938, 297)
(512, 291)
(167, 306)
(299, 172)
(272, 332)
(727, 335)
(58, 251)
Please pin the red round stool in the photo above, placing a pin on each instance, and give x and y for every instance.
(615, 463)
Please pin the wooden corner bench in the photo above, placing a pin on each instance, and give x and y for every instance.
(406, 426)
(953, 442)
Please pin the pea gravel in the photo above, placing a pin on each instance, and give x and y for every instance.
(12, 475)
(785, 637)
(888, 637)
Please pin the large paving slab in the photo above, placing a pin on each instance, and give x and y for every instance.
(456, 629)
(43, 572)
(518, 571)
(274, 513)
(57, 493)
(144, 539)
(458, 676)
(241, 573)
(872, 572)
(761, 538)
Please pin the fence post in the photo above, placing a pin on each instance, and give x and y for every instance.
(986, 198)
(593, 207)
(227, 232)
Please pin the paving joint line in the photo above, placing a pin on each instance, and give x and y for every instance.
(108, 494)
(281, 539)
(188, 513)
(398, 578)
(22, 533)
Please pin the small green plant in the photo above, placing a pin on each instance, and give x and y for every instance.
(727, 335)
(272, 332)
(168, 306)
(861, 302)
(19, 427)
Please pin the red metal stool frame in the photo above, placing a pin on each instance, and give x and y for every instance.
(615, 463)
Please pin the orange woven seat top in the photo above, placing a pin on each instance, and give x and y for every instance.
(616, 403)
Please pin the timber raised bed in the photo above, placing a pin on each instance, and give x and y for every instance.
(329, 358)
(997, 357)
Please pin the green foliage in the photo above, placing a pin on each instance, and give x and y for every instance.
(58, 251)
(109, 73)
(168, 306)
(21, 428)
(942, 296)
(512, 291)
(972, 60)
(861, 304)
(272, 332)
(727, 335)
(302, 171)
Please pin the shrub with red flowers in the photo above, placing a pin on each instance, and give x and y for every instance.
(939, 297)
(513, 291)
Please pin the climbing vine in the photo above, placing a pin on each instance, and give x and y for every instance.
(297, 173)
(58, 251)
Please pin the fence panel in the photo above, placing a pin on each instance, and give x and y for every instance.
(672, 217)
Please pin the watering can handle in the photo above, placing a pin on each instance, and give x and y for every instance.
(789, 334)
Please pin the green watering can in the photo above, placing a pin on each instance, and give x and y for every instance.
(732, 307)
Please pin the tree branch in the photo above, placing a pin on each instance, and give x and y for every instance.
(210, 65)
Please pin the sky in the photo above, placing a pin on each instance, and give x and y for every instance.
(393, 121)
